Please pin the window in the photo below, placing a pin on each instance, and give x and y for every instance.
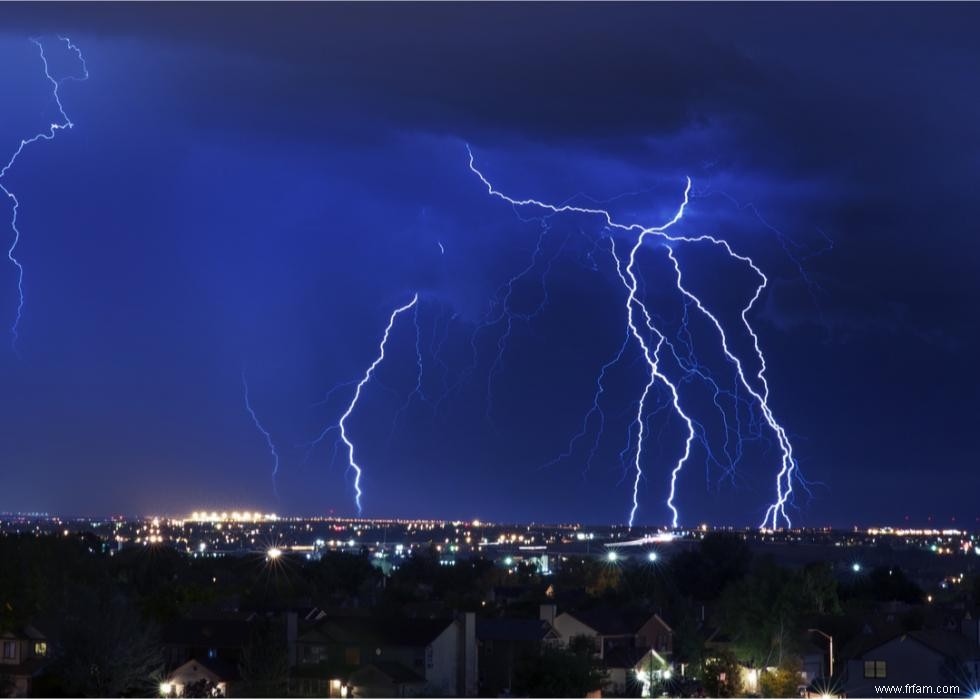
(877, 669)
(40, 649)
(9, 650)
(212, 652)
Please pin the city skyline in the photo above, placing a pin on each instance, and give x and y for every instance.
(355, 260)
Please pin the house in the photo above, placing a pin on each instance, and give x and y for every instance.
(321, 679)
(214, 676)
(611, 629)
(927, 658)
(23, 654)
(441, 651)
(500, 645)
(383, 679)
(205, 639)
(629, 668)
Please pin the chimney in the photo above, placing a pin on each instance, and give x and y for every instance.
(292, 624)
(467, 678)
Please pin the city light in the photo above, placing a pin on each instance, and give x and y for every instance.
(273, 553)
(652, 556)
(856, 567)
(612, 556)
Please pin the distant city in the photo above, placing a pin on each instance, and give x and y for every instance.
(939, 557)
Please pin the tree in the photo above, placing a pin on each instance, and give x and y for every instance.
(720, 560)
(264, 665)
(759, 613)
(819, 589)
(107, 649)
(598, 577)
(344, 573)
(784, 681)
(688, 643)
(202, 688)
(884, 585)
(722, 675)
(559, 672)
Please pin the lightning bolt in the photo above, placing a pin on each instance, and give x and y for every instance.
(631, 283)
(651, 348)
(342, 423)
(48, 135)
(265, 434)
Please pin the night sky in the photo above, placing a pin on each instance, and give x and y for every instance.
(259, 186)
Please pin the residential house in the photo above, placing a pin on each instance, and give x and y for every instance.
(217, 675)
(628, 669)
(927, 658)
(610, 629)
(335, 651)
(23, 655)
(205, 639)
(384, 679)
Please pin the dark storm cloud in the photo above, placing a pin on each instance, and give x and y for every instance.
(271, 178)
(574, 72)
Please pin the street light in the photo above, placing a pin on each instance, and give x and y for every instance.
(831, 640)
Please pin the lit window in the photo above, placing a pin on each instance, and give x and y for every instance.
(877, 669)
(40, 649)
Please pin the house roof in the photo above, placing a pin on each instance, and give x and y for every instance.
(629, 657)
(949, 644)
(612, 622)
(225, 671)
(509, 629)
(27, 632)
(210, 633)
(396, 673)
(373, 631)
